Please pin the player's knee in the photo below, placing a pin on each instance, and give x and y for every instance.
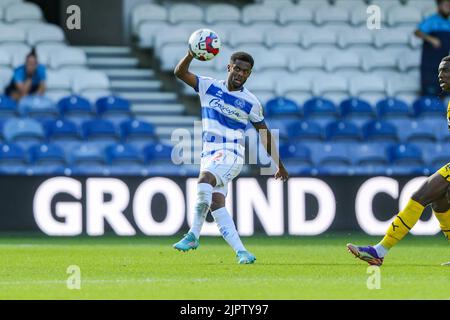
(216, 205)
(423, 196)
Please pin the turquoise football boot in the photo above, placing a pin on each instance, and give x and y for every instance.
(245, 257)
(189, 242)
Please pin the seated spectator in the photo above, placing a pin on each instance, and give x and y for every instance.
(435, 32)
(27, 79)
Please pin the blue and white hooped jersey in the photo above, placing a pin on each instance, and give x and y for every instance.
(225, 115)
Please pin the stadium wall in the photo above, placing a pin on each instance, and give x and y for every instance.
(161, 206)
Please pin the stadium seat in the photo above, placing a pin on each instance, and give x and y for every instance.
(391, 38)
(313, 4)
(147, 12)
(45, 34)
(295, 154)
(305, 131)
(281, 107)
(357, 37)
(76, 108)
(332, 87)
(358, 15)
(348, 4)
(403, 15)
(380, 131)
(11, 154)
(137, 133)
(36, 106)
(386, 5)
(331, 155)
(184, 12)
(87, 159)
(437, 155)
(367, 87)
(5, 59)
(293, 83)
(58, 82)
(289, 37)
(409, 60)
(255, 13)
(381, 59)
(167, 35)
(343, 130)
(68, 57)
(10, 34)
(22, 11)
(342, 60)
(123, 155)
(319, 107)
(246, 36)
(18, 52)
(8, 107)
(91, 82)
(405, 154)
(99, 130)
(354, 108)
(147, 31)
(310, 59)
(429, 107)
(403, 84)
(281, 125)
(295, 15)
(270, 59)
(318, 37)
(157, 153)
(331, 15)
(47, 154)
(369, 154)
(392, 108)
(114, 108)
(62, 131)
(24, 131)
(413, 131)
(261, 86)
(217, 13)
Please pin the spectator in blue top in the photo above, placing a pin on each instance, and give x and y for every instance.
(27, 79)
(435, 33)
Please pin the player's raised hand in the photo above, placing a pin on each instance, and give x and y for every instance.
(282, 174)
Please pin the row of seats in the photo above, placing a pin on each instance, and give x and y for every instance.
(31, 33)
(368, 158)
(315, 12)
(53, 55)
(16, 10)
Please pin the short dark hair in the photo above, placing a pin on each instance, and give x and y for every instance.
(243, 56)
(32, 53)
(447, 58)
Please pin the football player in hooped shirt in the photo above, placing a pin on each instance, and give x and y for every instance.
(227, 106)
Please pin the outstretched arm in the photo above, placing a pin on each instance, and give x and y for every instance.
(271, 148)
(182, 71)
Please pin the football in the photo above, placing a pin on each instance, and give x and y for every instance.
(204, 44)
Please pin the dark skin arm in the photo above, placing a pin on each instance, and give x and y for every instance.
(271, 148)
(182, 70)
(435, 42)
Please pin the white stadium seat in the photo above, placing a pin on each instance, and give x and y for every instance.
(332, 15)
(403, 84)
(27, 25)
(221, 61)
(313, 4)
(348, 4)
(342, 60)
(185, 12)
(356, 36)
(306, 59)
(293, 84)
(58, 81)
(90, 81)
(18, 52)
(409, 60)
(284, 36)
(5, 58)
(5, 77)
(318, 37)
(147, 31)
(10, 33)
(170, 35)
(170, 54)
(383, 59)
(275, 3)
(255, 13)
(368, 86)
(218, 13)
(422, 5)
(295, 15)
(391, 37)
(6, 3)
(261, 85)
(44, 50)
(402, 15)
(270, 59)
(246, 36)
(147, 12)
(330, 84)
(68, 57)
(385, 5)
(45, 33)
(23, 11)
(358, 15)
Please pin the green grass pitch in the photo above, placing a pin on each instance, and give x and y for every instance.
(287, 268)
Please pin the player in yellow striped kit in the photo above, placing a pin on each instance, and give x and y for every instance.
(434, 191)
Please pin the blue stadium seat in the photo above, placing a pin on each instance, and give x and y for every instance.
(281, 107)
(281, 125)
(320, 109)
(393, 108)
(157, 153)
(76, 108)
(405, 154)
(305, 130)
(87, 154)
(47, 154)
(355, 108)
(429, 107)
(123, 155)
(435, 155)
(115, 108)
(370, 154)
(8, 107)
(296, 154)
(380, 131)
(99, 130)
(137, 132)
(12, 159)
(413, 131)
(329, 155)
(24, 131)
(38, 107)
(62, 130)
(342, 130)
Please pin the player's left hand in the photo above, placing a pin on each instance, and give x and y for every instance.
(282, 174)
